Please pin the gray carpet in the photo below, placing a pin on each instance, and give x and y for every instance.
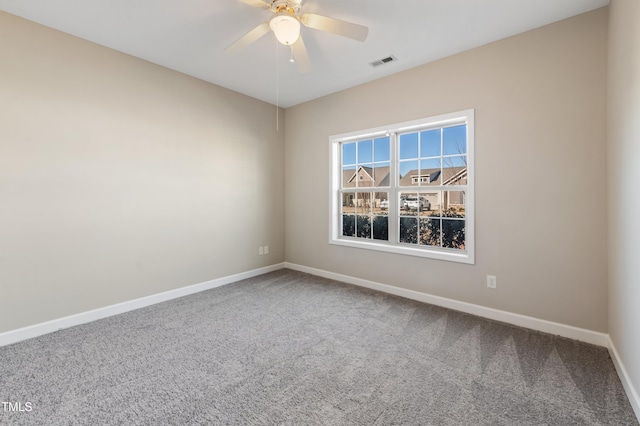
(293, 349)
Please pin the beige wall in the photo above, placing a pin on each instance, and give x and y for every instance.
(121, 179)
(539, 101)
(624, 176)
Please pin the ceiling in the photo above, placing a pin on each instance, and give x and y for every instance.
(190, 36)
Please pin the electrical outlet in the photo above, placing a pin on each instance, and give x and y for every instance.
(266, 249)
(260, 250)
(491, 281)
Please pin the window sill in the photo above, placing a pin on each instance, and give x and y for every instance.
(441, 254)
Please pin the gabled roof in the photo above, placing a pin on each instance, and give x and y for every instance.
(446, 176)
(371, 176)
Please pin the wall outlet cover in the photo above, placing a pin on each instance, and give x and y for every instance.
(491, 281)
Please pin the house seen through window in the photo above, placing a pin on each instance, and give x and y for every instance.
(406, 188)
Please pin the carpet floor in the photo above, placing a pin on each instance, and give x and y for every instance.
(289, 348)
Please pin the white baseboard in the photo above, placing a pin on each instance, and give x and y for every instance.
(35, 330)
(632, 393)
(593, 337)
(571, 332)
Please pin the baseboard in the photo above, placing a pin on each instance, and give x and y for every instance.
(571, 332)
(581, 334)
(36, 330)
(632, 393)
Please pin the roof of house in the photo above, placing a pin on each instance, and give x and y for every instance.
(367, 176)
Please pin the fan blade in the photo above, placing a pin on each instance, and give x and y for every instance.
(301, 56)
(336, 26)
(249, 38)
(256, 3)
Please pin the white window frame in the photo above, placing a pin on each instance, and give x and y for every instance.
(335, 231)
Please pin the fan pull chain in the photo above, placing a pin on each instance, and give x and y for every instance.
(291, 58)
(277, 90)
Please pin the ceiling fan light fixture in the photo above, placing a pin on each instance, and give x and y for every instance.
(286, 28)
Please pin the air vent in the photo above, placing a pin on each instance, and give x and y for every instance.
(383, 61)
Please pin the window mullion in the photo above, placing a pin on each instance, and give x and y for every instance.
(394, 228)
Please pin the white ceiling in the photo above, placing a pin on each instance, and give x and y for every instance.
(190, 35)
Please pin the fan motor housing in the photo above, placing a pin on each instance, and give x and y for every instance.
(289, 7)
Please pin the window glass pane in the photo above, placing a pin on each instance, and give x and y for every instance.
(365, 152)
(409, 204)
(408, 170)
(454, 204)
(363, 206)
(401, 200)
(348, 153)
(349, 203)
(430, 172)
(454, 140)
(430, 203)
(454, 170)
(381, 149)
(454, 161)
(408, 146)
(409, 230)
(381, 203)
(453, 233)
(348, 225)
(381, 228)
(430, 232)
(348, 178)
(430, 143)
(363, 226)
(381, 176)
(365, 176)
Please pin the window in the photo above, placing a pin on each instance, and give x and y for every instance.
(406, 188)
(419, 179)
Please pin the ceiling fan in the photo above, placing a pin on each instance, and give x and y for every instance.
(285, 23)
